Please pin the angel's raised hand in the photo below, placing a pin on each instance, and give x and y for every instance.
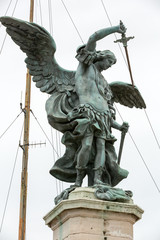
(122, 28)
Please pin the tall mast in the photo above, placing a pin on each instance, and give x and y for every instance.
(24, 174)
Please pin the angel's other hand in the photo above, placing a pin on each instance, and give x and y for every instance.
(125, 127)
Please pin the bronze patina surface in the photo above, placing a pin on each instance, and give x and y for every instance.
(81, 103)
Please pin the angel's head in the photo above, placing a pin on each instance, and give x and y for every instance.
(106, 54)
(104, 59)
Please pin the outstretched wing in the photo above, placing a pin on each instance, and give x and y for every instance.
(127, 95)
(40, 47)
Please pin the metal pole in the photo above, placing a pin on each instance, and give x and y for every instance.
(24, 174)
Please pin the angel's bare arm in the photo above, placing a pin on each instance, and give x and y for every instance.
(91, 44)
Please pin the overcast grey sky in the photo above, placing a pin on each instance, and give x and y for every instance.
(141, 18)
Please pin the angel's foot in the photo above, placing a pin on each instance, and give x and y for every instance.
(75, 185)
(98, 175)
(98, 181)
(81, 172)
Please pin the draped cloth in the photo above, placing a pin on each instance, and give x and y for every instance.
(87, 121)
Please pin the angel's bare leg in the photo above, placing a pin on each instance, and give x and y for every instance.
(83, 159)
(99, 160)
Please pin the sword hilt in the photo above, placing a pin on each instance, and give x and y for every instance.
(124, 40)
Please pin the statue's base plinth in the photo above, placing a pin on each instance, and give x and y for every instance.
(82, 216)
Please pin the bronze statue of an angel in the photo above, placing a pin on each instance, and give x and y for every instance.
(81, 102)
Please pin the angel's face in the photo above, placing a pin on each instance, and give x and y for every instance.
(105, 63)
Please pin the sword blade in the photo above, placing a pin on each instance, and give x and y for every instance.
(129, 66)
(123, 134)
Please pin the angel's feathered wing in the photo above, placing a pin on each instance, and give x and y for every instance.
(127, 95)
(40, 47)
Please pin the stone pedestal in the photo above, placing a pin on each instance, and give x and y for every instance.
(83, 217)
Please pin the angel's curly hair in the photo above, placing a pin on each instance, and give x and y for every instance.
(100, 55)
(95, 56)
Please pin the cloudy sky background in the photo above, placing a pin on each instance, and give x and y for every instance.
(141, 18)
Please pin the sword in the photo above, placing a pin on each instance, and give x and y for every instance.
(123, 134)
(124, 40)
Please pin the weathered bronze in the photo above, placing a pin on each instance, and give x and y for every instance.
(124, 40)
(81, 103)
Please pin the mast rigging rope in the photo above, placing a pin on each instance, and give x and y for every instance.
(156, 139)
(10, 183)
(142, 158)
(72, 21)
(6, 33)
(50, 17)
(7, 10)
(54, 160)
(44, 133)
(114, 34)
(10, 125)
(57, 133)
(40, 9)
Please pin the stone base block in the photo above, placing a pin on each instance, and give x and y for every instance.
(84, 217)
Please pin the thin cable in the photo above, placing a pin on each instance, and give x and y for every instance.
(72, 21)
(58, 182)
(10, 184)
(10, 125)
(44, 132)
(50, 17)
(59, 142)
(57, 145)
(3, 43)
(54, 160)
(114, 34)
(36, 4)
(40, 10)
(145, 164)
(152, 129)
(6, 33)
(7, 10)
(14, 8)
(140, 154)
(60, 153)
